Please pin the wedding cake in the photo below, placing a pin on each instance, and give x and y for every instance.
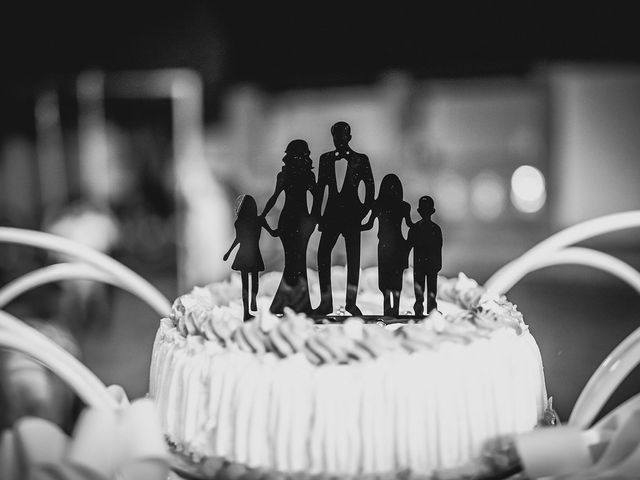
(292, 396)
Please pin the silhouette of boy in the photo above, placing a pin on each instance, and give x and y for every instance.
(425, 237)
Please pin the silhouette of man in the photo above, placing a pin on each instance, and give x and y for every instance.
(425, 237)
(342, 216)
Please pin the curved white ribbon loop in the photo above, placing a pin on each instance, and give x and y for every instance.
(124, 276)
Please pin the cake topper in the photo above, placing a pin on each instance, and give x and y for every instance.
(295, 226)
(338, 211)
(425, 238)
(248, 260)
(393, 250)
(342, 215)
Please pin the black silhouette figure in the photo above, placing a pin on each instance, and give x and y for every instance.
(295, 226)
(342, 216)
(393, 252)
(248, 260)
(425, 237)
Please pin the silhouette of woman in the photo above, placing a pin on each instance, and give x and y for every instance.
(295, 227)
(393, 254)
(248, 260)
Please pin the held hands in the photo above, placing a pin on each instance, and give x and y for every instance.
(267, 227)
(373, 214)
(368, 225)
(272, 232)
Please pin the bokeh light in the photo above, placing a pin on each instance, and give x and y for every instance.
(528, 189)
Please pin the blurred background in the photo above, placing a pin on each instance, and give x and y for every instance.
(133, 128)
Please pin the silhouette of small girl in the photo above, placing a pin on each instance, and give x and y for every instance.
(248, 259)
(393, 254)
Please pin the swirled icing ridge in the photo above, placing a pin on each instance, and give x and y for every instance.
(468, 312)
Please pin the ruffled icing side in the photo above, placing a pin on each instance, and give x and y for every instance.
(427, 412)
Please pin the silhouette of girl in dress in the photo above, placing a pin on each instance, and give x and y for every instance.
(295, 227)
(393, 253)
(248, 260)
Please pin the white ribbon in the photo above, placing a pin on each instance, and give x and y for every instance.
(124, 444)
(608, 450)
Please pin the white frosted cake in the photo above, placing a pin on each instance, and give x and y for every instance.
(287, 396)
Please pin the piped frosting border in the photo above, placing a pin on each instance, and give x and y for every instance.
(467, 312)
